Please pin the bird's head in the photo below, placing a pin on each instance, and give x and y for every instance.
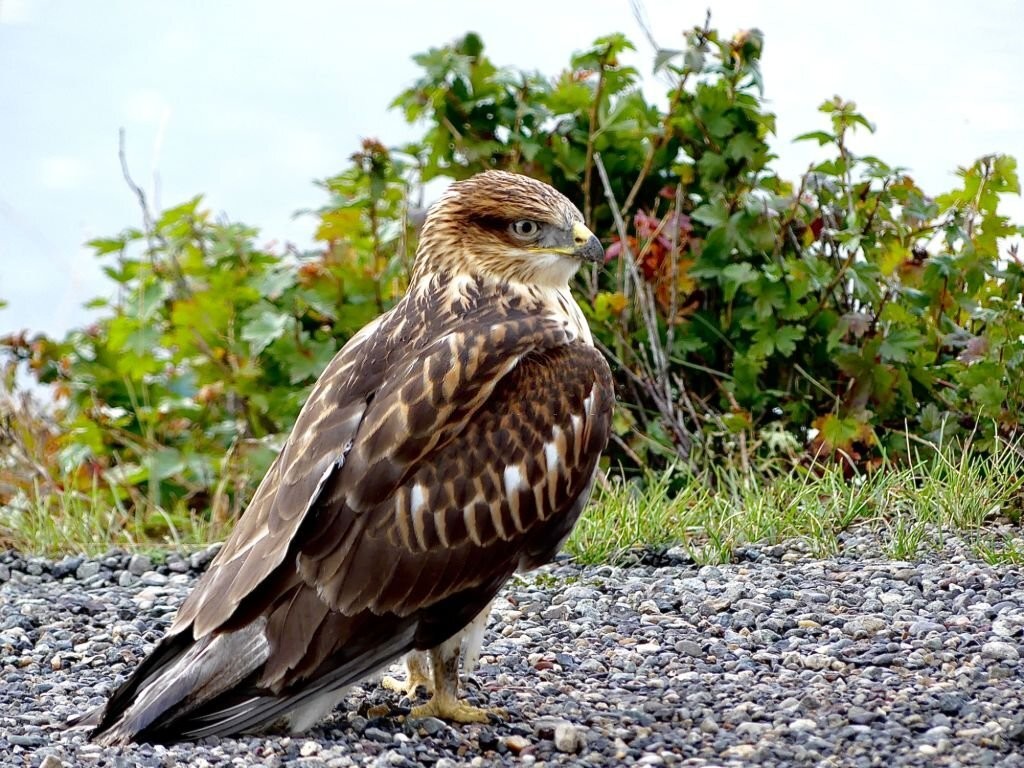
(508, 227)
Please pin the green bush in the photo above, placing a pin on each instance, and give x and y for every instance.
(180, 394)
(748, 317)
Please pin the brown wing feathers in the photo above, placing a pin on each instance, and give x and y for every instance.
(449, 443)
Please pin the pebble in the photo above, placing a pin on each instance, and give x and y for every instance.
(1000, 650)
(153, 579)
(776, 659)
(139, 564)
(567, 738)
(87, 570)
(516, 744)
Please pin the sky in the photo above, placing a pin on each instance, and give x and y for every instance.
(249, 101)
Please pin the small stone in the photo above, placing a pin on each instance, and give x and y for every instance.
(25, 740)
(376, 734)
(51, 761)
(1008, 626)
(1015, 732)
(199, 560)
(816, 661)
(864, 626)
(126, 579)
(803, 724)
(153, 579)
(741, 751)
(922, 627)
(66, 566)
(689, 648)
(139, 564)
(432, 725)
(567, 738)
(555, 613)
(951, 703)
(309, 748)
(651, 759)
(1000, 651)
(707, 725)
(516, 744)
(751, 729)
(87, 570)
(860, 716)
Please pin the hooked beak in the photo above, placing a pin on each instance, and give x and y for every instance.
(586, 246)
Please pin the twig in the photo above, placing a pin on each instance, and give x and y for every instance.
(659, 372)
(588, 168)
(147, 216)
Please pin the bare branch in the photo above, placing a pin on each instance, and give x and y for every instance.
(147, 215)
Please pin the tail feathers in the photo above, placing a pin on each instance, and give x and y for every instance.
(89, 719)
(201, 672)
(302, 707)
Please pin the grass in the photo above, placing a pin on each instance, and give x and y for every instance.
(89, 523)
(912, 508)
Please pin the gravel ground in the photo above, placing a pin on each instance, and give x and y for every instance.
(779, 659)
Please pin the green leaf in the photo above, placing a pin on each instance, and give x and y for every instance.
(991, 395)
(899, 344)
(263, 325)
(713, 214)
(712, 166)
(164, 463)
(272, 283)
(786, 338)
(819, 136)
(103, 245)
(742, 146)
(735, 275)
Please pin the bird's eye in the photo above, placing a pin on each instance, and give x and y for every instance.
(525, 228)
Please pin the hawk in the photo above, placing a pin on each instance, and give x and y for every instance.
(451, 442)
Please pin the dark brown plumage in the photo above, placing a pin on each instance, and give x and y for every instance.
(451, 442)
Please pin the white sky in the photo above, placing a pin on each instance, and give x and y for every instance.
(248, 101)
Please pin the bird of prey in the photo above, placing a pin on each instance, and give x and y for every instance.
(451, 442)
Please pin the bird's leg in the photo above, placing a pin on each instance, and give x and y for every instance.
(415, 676)
(444, 702)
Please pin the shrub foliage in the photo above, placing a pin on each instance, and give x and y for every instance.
(836, 316)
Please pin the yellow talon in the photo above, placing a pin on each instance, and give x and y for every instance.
(456, 711)
(417, 674)
(406, 687)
